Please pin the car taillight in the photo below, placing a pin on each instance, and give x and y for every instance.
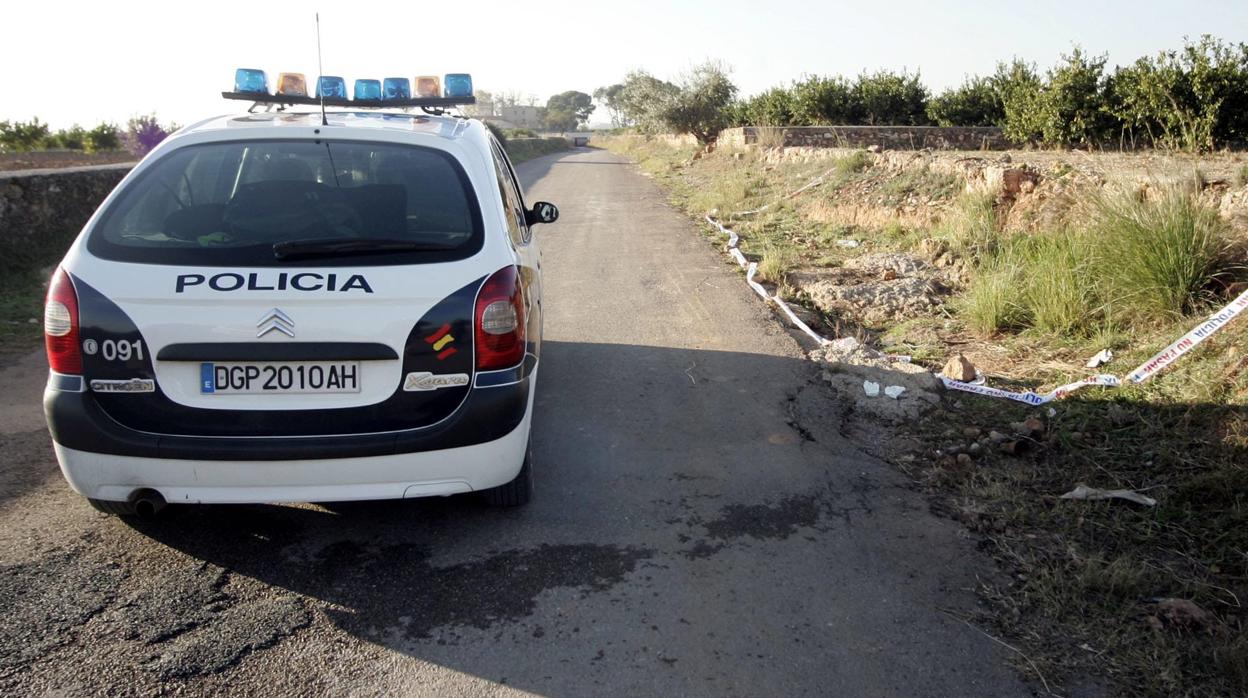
(499, 321)
(60, 325)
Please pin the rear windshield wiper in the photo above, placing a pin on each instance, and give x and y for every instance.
(329, 247)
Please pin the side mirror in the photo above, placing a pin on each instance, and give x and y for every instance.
(542, 212)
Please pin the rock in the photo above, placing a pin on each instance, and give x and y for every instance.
(972, 432)
(1028, 427)
(996, 437)
(888, 275)
(873, 149)
(1185, 613)
(965, 460)
(932, 249)
(959, 368)
(1013, 447)
(974, 449)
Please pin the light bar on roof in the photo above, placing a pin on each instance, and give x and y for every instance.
(454, 89)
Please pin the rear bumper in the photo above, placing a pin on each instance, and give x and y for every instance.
(78, 423)
(321, 478)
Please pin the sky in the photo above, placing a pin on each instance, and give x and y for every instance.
(74, 62)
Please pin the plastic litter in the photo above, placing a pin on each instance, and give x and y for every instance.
(1083, 492)
(894, 391)
(871, 388)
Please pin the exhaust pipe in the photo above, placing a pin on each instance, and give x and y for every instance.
(147, 503)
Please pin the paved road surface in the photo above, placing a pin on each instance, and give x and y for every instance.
(699, 528)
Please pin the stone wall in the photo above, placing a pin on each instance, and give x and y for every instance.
(42, 211)
(883, 137)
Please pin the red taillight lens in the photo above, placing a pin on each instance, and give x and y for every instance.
(499, 321)
(60, 325)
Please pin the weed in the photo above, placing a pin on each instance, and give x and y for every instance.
(1060, 292)
(923, 184)
(1161, 255)
(853, 163)
(775, 264)
(991, 302)
(970, 227)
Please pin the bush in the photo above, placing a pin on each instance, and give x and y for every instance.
(823, 101)
(1072, 107)
(976, 103)
(1018, 85)
(1194, 99)
(23, 135)
(142, 134)
(887, 98)
(102, 138)
(771, 108)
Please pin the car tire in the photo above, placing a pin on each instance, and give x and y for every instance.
(519, 491)
(113, 508)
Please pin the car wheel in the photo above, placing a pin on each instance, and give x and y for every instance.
(113, 508)
(517, 492)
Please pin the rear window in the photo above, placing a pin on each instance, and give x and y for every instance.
(229, 204)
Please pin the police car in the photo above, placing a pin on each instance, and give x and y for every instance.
(317, 305)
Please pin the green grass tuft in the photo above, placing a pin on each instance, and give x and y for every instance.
(1161, 256)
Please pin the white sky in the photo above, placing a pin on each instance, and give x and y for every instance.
(82, 62)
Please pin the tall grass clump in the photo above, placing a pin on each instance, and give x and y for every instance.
(853, 163)
(970, 227)
(775, 264)
(992, 302)
(1162, 255)
(1060, 289)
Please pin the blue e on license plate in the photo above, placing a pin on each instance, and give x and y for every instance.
(269, 377)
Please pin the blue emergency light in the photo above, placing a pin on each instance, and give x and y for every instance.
(251, 80)
(457, 85)
(367, 89)
(396, 88)
(331, 86)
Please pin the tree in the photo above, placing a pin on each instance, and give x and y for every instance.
(23, 135)
(609, 97)
(567, 109)
(887, 98)
(1194, 99)
(771, 108)
(975, 103)
(700, 106)
(1072, 106)
(1018, 85)
(820, 101)
(643, 98)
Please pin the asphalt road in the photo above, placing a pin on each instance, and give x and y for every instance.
(699, 527)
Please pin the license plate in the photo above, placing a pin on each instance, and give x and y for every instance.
(270, 377)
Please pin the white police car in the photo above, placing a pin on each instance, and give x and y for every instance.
(309, 306)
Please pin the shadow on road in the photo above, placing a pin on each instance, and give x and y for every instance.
(648, 459)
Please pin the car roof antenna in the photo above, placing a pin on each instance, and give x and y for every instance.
(320, 70)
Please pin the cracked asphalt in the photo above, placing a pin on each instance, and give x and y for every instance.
(700, 526)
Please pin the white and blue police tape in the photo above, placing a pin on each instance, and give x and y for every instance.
(751, 268)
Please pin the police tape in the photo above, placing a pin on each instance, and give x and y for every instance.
(1187, 342)
(751, 268)
(1162, 359)
(1030, 397)
(1215, 322)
